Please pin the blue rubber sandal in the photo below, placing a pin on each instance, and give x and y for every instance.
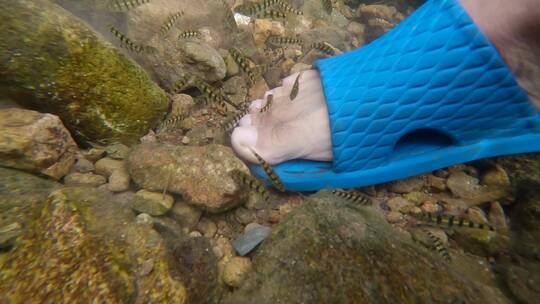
(431, 93)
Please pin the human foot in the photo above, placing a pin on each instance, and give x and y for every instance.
(288, 129)
(300, 128)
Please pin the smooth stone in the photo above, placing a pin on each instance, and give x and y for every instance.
(397, 203)
(118, 181)
(200, 174)
(83, 165)
(185, 214)
(207, 227)
(153, 203)
(468, 188)
(408, 185)
(35, 142)
(106, 166)
(117, 151)
(144, 219)
(84, 179)
(244, 216)
(236, 271)
(496, 216)
(246, 242)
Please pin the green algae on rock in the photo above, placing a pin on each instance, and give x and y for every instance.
(53, 62)
(332, 251)
(98, 254)
(59, 261)
(21, 196)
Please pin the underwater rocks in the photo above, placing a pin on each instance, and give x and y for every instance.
(21, 195)
(84, 179)
(332, 251)
(116, 171)
(58, 252)
(35, 142)
(204, 60)
(236, 271)
(52, 62)
(185, 214)
(473, 192)
(199, 174)
(84, 239)
(152, 203)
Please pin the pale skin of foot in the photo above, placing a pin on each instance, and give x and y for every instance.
(299, 129)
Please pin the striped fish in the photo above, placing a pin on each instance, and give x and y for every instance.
(355, 197)
(268, 104)
(323, 47)
(278, 41)
(124, 5)
(241, 60)
(438, 245)
(212, 94)
(233, 121)
(252, 9)
(288, 8)
(295, 88)
(249, 181)
(189, 34)
(270, 172)
(169, 22)
(449, 221)
(271, 14)
(127, 43)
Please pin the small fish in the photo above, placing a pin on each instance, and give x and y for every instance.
(278, 41)
(189, 34)
(168, 24)
(268, 104)
(127, 43)
(295, 87)
(450, 221)
(250, 182)
(233, 121)
(288, 8)
(271, 14)
(270, 172)
(171, 122)
(328, 6)
(355, 197)
(212, 94)
(438, 245)
(252, 9)
(182, 84)
(241, 60)
(323, 47)
(124, 5)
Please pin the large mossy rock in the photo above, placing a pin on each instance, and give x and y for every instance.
(53, 62)
(21, 196)
(331, 251)
(85, 247)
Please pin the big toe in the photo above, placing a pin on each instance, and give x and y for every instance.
(243, 140)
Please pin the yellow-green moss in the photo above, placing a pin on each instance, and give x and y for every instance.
(58, 261)
(51, 61)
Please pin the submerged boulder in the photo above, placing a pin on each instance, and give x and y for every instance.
(53, 62)
(85, 247)
(332, 251)
(199, 174)
(35, 142)
(21, 196)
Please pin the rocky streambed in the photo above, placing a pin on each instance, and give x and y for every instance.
(115, 184)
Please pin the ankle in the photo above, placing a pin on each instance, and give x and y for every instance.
(512, 27)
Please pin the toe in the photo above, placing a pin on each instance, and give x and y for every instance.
(245, 121)
(243, 140)
(256, 106)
